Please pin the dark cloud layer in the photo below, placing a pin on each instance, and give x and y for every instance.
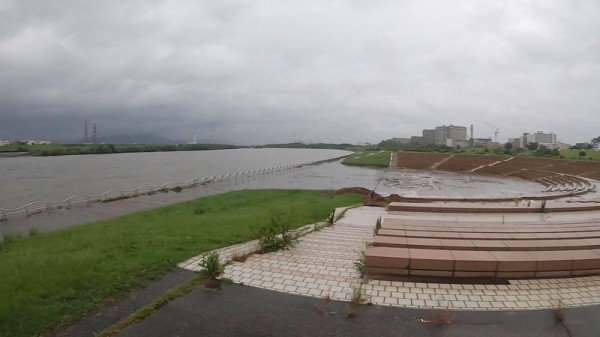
(274, 70)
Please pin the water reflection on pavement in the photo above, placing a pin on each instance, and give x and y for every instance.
(334, 175)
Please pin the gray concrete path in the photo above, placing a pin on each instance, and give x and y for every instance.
(238, 310)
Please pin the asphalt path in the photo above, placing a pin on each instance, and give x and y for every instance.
(238, 310)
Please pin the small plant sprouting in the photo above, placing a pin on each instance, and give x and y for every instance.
(34, 232)
(360, 264)
(358, 295)
(9, 238)
(211, 265)
(277, 235)
(331, 217)
(559, 312)
(543, 207)
(325, 306)
(378, 225)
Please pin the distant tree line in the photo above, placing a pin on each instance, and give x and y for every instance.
(325, 146)
(77, 149)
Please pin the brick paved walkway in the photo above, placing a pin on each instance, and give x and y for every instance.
(322, 265)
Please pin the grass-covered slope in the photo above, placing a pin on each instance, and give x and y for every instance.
(369, 158)
(56, 278)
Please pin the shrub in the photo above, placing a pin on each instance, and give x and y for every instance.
(211, 265)
(277, 234)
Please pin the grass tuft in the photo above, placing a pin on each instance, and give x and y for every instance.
(559, 312)
(358, 295)
(211, 266)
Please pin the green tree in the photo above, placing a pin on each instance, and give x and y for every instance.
(582, 154)
(532, 146)
(508, 146)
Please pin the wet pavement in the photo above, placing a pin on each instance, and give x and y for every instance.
(329, 175)
(238, 310)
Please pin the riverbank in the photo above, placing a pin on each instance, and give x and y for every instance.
(57, 278)
(81, 149)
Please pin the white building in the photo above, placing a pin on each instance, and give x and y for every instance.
(4, 142)
(543, 139)
(35, 142)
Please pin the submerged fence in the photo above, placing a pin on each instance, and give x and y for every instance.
(35, 207)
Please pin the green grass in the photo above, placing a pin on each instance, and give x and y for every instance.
(369, 158)
(57, 278)
(574, 154)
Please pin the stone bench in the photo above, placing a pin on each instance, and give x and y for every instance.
(480, 264)
(486, 244)
(436, 207)
(484, 235)
(508, 228)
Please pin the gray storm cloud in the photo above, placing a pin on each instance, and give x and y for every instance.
(271, 71)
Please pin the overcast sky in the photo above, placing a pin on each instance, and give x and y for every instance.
(265, 71)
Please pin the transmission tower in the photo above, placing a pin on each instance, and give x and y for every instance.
(86, 136)
(94, 134)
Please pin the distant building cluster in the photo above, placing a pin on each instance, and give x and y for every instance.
(456, 136)
(548, 140)
(448, 135)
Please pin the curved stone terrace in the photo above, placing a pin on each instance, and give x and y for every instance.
(451, 253)
(321, 265)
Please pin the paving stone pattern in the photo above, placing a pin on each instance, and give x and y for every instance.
(322, 264)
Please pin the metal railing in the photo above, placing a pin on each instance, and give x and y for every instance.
(35, 207)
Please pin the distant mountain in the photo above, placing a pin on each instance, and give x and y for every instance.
(344, 146)
(135, 139)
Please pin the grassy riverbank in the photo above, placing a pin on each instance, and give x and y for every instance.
(369, 158)
(56, 278)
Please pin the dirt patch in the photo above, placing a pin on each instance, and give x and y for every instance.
(370, 198)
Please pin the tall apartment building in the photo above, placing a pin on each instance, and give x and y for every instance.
(450, 135)
(546, 139)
